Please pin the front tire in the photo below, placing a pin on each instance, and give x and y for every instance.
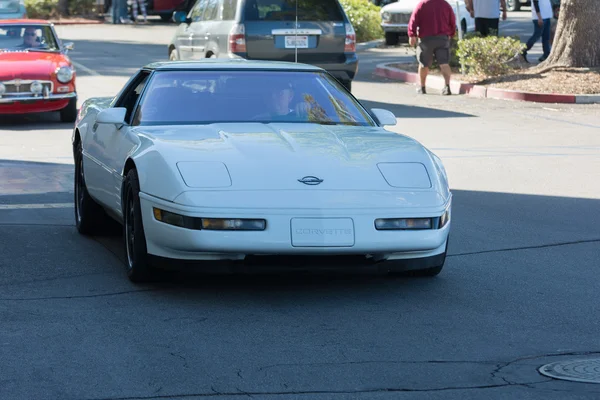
(173, 55)
(89, 215)
(69, 113)
(138, 266)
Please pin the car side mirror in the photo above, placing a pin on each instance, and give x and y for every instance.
(385, 117)
(69, 46)
(180, 17)
(114, 116)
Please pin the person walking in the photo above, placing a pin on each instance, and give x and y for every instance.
(487, 15)
(134, 10)
(541, 14)
(433, 22)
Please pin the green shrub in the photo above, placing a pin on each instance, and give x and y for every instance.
(44, 9)
(365, 19)
(84, 8)
(488, 56)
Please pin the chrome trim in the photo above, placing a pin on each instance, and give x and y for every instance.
(25, 82)
(389, 25)
(51, 97)
(291, 32)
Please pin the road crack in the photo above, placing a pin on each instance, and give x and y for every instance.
(494, 374)
(83, 296)
(541, 246)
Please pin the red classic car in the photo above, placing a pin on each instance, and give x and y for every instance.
(36, 75)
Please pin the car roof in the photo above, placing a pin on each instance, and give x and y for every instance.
(212, 64)
(24, 22)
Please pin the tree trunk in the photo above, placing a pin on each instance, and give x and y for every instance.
(577, 40)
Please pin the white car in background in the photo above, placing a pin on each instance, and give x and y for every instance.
(396, 16)
(248, 161)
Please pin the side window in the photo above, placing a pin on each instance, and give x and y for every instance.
(198, 10)
(212, 10)
(229, 9)
(132, 94)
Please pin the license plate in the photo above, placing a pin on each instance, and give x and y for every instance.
(322, 232)
(301, 42)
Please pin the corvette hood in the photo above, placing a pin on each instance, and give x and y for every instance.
(276, 156)
(29, 65)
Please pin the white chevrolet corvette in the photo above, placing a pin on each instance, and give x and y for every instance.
(245, 160)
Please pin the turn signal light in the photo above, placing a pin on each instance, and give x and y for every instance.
(214, 224)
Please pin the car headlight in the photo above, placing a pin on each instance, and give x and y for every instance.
(386, 16)
(64, 74)
(36, 87)
(2, 89)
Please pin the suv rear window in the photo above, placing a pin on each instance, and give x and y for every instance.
(285, 10)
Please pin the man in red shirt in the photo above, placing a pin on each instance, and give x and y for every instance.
(434, 22)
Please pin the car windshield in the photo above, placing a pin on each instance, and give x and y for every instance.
(9, 6)
(203, 97)
(27, 37)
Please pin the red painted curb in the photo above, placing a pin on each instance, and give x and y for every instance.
(478, 91)
(494, 93)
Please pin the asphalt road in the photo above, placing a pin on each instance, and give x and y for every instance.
(519, 289)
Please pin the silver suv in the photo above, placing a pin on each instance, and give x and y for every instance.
(266, 30)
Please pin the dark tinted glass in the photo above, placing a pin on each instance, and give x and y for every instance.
(285, 10)
(204, 97)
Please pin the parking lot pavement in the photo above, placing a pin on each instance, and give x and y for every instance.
(518, 289)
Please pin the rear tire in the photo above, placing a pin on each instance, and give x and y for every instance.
(69, 113)
(134, 238)
(391, 38)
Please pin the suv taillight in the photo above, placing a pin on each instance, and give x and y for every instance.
(237, 39)
(350, 46)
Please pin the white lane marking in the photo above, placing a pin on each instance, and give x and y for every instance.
(85, 69)
(35, 206)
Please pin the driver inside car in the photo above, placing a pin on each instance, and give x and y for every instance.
(30, 38)
(281, 100)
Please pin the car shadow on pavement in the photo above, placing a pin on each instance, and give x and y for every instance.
(409, 111)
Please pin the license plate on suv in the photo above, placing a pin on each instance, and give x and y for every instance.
(301, 42)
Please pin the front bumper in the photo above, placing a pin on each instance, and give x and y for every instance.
(173, 242)
(401, 29)
(35, 104)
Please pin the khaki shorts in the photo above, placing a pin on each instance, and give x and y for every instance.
(438, 46)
